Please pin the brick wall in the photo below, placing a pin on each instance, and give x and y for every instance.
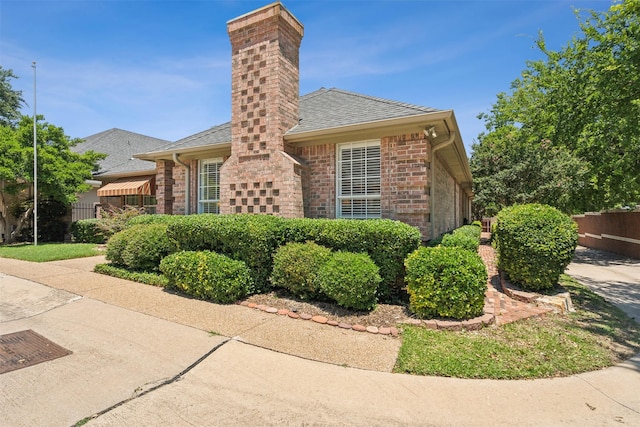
(260, 177)
(445, 200)
(164, 186)
(406, 174)
(617, 232)
(319, 189)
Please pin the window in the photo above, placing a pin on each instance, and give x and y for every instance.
(358, 180)
(149, 203)
(209, 186)
(130, 200)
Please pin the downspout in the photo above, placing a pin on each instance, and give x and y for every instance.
(187, 175)
(452, 137)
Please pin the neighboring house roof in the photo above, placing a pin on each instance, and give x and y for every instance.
(120, 146)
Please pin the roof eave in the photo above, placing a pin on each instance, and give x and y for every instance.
(417, 119)
(190, 151)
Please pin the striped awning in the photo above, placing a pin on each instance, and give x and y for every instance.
(127, 187)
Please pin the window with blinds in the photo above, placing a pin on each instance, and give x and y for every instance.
(209, 186)
(358, 180)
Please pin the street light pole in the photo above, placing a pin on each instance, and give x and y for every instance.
(35, 161)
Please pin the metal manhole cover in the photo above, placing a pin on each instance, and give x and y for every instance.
(27, 348)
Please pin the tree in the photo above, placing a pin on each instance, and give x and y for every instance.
(581, 103)
(10, 99)
(61, 172)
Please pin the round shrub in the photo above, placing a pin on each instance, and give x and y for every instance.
(295, 266)
(146, 245)
(350, 279)
(208, 275)
(535, 243)
(116, 246)
(445, 282)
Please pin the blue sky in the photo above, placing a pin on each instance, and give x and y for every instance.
(163, 68)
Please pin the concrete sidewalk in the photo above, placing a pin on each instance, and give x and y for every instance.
(145, 357)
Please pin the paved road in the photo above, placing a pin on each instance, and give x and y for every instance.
(140, 369)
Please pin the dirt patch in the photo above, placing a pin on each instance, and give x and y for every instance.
(384, 315)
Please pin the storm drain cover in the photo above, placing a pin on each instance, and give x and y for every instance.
(27, 348)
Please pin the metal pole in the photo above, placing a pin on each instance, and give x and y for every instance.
(35, 161)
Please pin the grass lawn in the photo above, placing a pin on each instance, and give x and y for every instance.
(597, 335)
(49, 251)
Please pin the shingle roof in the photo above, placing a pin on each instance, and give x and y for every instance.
(331, 108)
(322, 109)
(216, 135)
(120, 146)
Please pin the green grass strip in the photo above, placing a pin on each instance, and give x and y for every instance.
(49, 251)
(597, 335)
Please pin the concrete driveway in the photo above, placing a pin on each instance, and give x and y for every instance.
(611, 276)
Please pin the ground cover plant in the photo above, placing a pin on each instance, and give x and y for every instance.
(49, 251)
(596, 336)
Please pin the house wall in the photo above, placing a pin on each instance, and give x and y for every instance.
(319, 189)
(405, 169)
(446, 203)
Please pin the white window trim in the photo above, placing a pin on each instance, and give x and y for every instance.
(339, 197)
(201, 163)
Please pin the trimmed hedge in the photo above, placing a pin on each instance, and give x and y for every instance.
(387, 242)
(146, 277)
(252, 239)
(255, 238)
(140, 247)
(535, 243)
(295, 266)
(208, 275)
(446, 282)
(87, 231)
(350, 279)
(466, 237)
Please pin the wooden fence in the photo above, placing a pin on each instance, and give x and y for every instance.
(617, 232)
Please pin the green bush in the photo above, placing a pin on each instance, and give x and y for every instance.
(255, 238)
(295, 266)
(445, 282)
(87, 231)
(387, 242)
(151, 219)
(249, 238)
(140, 247)
(466, 237)
(208, 275)
(116, 246)
(477, 223)
(146, 245)
(535, 243)
(351, 279)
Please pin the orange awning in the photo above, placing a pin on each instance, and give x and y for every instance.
(127, 187)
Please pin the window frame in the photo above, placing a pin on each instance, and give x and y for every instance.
(201, 201)
(376, 212)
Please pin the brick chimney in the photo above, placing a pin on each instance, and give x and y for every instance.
(260, 176)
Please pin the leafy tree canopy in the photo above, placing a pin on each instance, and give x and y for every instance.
(568, 133)
(10, 99)
(61, 172)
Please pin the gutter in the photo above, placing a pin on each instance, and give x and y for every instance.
(452, 138)
(187, 186)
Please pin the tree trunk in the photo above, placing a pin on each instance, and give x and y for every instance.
(22, 220)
